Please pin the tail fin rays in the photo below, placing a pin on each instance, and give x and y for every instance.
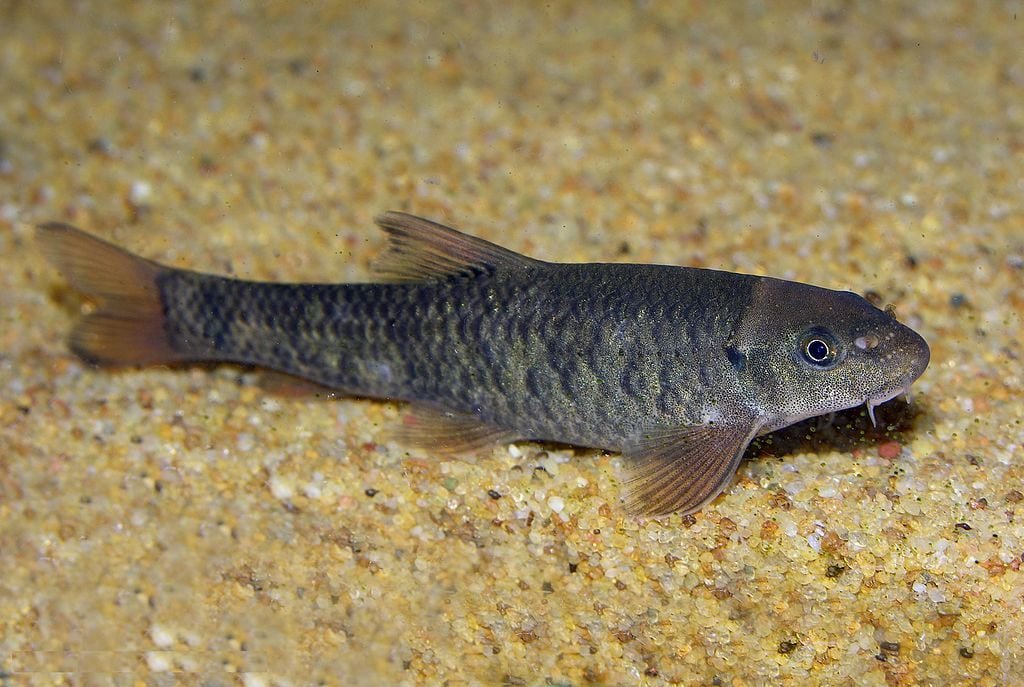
(128, 326)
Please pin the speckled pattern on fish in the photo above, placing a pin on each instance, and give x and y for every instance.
(678, 368)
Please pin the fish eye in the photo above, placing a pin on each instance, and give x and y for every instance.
(818, 349)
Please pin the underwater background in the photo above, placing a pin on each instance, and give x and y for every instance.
(186, 525)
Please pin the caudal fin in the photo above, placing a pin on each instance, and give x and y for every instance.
(128, 325)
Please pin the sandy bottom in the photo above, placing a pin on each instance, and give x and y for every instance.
(182, 525)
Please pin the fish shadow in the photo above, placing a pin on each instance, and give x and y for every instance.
(848, 431)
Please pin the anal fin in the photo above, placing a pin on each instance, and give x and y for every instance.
(682, 469)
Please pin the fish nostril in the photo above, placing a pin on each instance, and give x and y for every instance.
(866, 343)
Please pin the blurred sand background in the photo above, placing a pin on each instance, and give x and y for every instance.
(166, 526)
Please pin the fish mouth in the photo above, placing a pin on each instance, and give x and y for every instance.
(920, 355)
(875, 401)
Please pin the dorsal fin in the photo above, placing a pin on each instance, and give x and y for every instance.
(421, 250)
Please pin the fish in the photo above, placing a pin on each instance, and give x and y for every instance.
(676, 368)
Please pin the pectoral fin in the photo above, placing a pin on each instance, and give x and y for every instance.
(682, 469)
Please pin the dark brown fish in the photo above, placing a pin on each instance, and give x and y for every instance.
(678, 368)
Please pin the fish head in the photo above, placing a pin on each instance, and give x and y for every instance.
(808, 351)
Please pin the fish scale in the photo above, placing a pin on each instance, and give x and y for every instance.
(678, 368)
(442, 345)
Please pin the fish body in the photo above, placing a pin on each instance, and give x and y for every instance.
(584, 354)
(678, 368)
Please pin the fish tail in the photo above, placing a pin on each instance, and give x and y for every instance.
(129, 324)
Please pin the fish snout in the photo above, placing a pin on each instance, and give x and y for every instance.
(899, 350)
(908, 355)
(917, 353)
